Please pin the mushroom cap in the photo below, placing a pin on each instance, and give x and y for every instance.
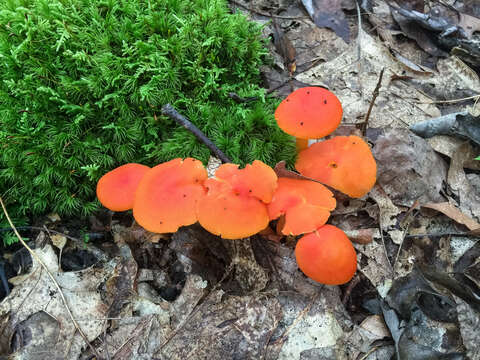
(234, 206)
(167, 195)
(306, 205)
(256, 179)
(345, 163)
(230, 214)
(327, 256)
(116, 189)
(309, 113)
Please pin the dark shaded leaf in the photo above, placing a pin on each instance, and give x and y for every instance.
(460, 124)
(329, 14)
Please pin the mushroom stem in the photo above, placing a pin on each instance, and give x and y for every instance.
(302, 144)
(172, 113)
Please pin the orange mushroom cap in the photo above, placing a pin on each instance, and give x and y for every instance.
(167, 195)
(309, 113)
(234, 206)
(256, 179)
(306, 205)
(327, 256)
(116, 189)
(345, 163)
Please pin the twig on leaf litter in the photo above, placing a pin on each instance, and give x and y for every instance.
(173, 114)
(374, 97)
(42, 264)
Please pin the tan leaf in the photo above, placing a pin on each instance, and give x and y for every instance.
(454, 213)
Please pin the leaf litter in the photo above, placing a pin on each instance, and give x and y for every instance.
(192, 295)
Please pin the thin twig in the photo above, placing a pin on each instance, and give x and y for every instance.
(173, 114)
(351, 285)
(258, 12)
(374, 97)
(42, 264)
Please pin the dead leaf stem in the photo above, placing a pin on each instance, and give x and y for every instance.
(42, 264)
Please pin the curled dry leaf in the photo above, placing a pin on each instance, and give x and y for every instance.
(455, 214)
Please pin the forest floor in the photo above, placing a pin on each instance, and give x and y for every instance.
(191, 295)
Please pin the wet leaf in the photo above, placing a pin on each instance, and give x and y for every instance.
(329, 14)
(461, 124)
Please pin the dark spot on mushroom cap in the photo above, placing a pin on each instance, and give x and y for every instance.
(250, 190)
(308, 92)
(184, 195)
(333, 165)
(224, 208)
(301, 123)
(161, 222)
(324, 101)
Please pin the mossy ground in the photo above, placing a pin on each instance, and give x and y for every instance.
(83, 81)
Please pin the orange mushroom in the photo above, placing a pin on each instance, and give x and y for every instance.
(345, 163)
(327, 256)
(167, 195)
(235, 205)
(116, 189)
(309, 113)
(306, 205)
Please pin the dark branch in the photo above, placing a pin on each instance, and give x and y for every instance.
(170, 111)
(374, 97)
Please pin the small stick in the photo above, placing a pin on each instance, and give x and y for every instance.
(374, 97)
(173, 114)
(42, 264)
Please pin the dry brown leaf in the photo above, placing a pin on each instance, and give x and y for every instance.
(285, 48)
(454, 213)
(361, 236)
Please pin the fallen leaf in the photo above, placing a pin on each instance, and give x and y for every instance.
(37, 295)
(460, 124)
(58, 241)
(470, 24)
(408, 168)
(329, 14)
(455, 214)
(285, 48)
(361, 236)
(468, 199)
(410, 65)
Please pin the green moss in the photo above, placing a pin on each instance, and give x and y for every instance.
(83, 81)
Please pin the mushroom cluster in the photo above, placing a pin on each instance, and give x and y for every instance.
(237, 203)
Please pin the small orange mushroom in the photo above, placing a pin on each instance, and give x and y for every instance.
(345, 163)
(309, 113)
(167, 195)
(116, 189)
(327, 256)
(235, 205)
(306, 205)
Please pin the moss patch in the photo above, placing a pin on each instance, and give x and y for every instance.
(83, 81)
